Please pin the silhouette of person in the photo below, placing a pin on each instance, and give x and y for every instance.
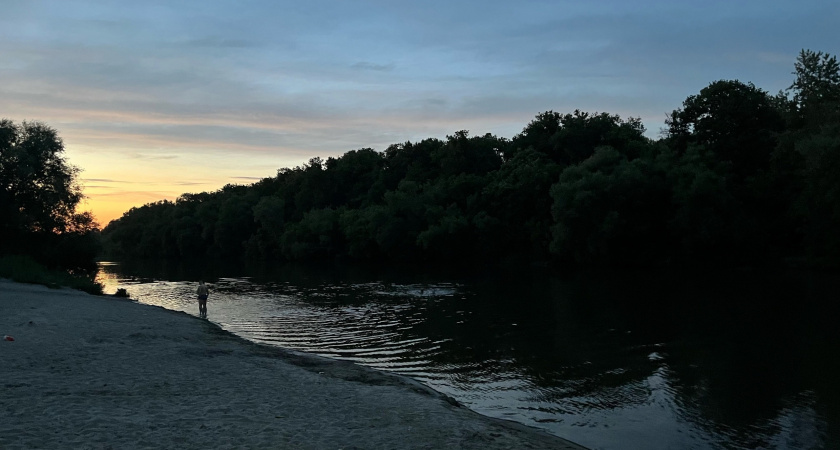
(203, 293)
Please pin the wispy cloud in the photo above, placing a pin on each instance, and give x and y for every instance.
(151, 157)
(104, 180)
(364, 65)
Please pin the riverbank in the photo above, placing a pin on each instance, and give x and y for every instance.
(100, 372)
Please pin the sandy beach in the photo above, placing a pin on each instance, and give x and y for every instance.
(101, 372)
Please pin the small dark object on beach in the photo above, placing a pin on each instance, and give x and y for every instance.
(121, 293)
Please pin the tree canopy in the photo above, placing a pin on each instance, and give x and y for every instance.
(39, 192)
(739, 177)
(816, 88)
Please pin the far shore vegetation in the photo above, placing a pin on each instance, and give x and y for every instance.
(738, 177)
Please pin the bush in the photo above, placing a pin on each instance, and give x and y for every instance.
(24, 269)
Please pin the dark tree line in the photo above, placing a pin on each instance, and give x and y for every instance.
(739, 176)
(39, 193)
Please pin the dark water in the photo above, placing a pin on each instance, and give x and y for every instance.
(612, 361)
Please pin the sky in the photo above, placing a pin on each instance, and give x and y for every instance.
(158, 98)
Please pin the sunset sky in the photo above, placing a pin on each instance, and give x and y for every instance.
(157, 98)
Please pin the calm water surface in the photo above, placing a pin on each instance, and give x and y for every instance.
(611, 361)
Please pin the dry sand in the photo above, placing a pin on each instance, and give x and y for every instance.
(88, 372)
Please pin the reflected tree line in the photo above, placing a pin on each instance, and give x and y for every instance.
(594, 341)
(738, 176)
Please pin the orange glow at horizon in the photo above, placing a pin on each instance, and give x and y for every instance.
(121, 170)
(108, 207)
(115, 182)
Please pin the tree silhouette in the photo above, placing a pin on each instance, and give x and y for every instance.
(39, 193)
(740, 178)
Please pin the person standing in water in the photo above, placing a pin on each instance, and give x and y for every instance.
(203, 293)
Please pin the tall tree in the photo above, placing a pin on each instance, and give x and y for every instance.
(39, 191)
(816, 141)
(816, 89)
(736, 121)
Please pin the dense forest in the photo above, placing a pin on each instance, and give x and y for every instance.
(44, 238)
(738, 177)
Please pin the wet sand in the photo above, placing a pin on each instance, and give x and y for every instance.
(102, 372)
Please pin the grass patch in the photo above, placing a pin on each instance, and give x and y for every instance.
(24, 269)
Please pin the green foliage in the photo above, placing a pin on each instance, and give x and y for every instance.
(235, 224)
(462, 154)
(316, 236)
(737, 122)
(571, 138)
(448, 234)
(269, 221)
(515, 210)
(354, 178)
(820, 201)
(411, 162)
(610, 210)
(361, 228)
(703, 223)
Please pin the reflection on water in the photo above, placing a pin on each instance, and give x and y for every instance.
(745, 360)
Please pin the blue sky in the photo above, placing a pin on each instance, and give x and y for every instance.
(157, 98)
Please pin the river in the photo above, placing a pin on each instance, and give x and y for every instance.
(611, 360)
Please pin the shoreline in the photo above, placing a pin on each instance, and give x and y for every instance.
(99, 372)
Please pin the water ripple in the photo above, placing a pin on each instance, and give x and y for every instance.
(491, 358)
